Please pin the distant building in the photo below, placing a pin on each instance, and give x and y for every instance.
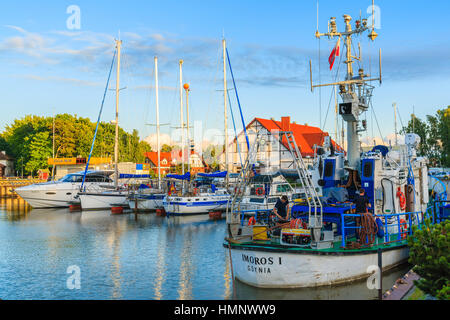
(6, 165)
(64, 166)
(167, 164)
(275, 154)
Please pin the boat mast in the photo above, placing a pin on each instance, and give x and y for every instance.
(225, 97)
(186, 88)
(158, 143)
(395, 122)
(181, 117)
(116, 142)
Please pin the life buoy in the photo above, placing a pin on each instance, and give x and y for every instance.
(403, 228)
(401, 198)
(259, 191)
(298, 224)
(252, 221)
(195, 191)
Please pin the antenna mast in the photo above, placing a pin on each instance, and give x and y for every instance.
(355, 90)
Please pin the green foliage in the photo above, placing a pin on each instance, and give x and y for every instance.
(434, 133)
(166, 148)
(430, 253)
(30, 141)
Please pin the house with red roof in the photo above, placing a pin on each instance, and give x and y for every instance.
(151, 158)
(275, 153)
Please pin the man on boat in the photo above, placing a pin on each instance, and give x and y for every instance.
(362, 206)
(281, 209)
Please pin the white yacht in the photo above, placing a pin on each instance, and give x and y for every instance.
(103, 199)
(62, 193)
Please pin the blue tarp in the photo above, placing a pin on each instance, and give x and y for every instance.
(217, 174)
(187, 176)
(134, 176)
(383, 149)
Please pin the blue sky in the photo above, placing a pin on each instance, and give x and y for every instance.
(47, 68)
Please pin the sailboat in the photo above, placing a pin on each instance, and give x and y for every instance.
(151, 199)
(102, 199)
(319, 245)
(198, 198)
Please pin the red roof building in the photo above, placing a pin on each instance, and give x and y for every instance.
(166, 161)
(276, 153)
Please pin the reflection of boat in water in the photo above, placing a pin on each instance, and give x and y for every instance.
(62, 193)
(320, 245)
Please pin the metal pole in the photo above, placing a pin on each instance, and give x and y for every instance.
(395, 122)
(186, 88)
(157, 123)
(116, 142)
(182, 117)
(225, 96)
(380, 266)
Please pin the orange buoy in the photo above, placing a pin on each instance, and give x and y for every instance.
(186, 86)
(75, 207)
(161, 212)
(117, 210)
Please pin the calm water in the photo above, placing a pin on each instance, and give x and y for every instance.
(120, 258)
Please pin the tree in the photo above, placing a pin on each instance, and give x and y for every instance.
(429, 252)
(166, 148)
(40, 151)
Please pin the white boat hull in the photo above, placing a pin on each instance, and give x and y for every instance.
(48, 198)
(102, 201)
(146, 204)
(195, 205)
(265, 269)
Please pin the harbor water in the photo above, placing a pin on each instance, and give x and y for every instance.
(118, 257)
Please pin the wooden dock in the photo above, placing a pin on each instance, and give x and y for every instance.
(7, 185)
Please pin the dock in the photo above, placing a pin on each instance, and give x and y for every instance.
(7, 185)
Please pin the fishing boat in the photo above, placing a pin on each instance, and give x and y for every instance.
(319, 245)
(63, 193)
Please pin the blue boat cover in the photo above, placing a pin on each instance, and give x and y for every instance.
(217, 174)
(383, 149)
(186, 177)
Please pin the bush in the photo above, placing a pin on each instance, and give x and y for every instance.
(429, 252)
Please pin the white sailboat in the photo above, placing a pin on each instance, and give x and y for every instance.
(145, 199)
(204, 199)
(105, 199)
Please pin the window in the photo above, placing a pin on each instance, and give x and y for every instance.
(329, 168)
(368, 169)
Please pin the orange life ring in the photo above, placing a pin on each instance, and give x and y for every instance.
(403, 228)
(402, 199)
(252, 221)
(260, 191)
(195, 191)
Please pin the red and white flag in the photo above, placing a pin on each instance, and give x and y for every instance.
(334, 53)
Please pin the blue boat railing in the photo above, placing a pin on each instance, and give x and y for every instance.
(440, 211)
(412, 218)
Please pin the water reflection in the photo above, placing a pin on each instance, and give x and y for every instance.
(121, 258)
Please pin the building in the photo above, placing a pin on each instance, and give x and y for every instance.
(275, 154)
(151, 158)
(64, 166)
(6, 165)
(170, 160)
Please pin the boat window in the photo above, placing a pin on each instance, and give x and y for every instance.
(329, 168)
(367, 170)
(283, 188)
(72, 178)
(272, 200)
(257, 200)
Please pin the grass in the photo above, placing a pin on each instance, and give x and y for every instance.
(416, 294)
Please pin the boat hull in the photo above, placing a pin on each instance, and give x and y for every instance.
(102, 201)
(276, 269)
(146, 204)
(185, 207)
(48, 198)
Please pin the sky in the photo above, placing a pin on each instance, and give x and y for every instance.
(48, 66)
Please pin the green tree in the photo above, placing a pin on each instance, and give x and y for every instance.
(430, 253)
(166, 148)
(40, 151)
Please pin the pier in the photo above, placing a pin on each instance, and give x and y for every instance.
(7, 185)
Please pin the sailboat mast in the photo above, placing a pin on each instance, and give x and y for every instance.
(186, 88)
(225, 97)
(158, 143)
(181, 116)
(116, 141)
(395, 122)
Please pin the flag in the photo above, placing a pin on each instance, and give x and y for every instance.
(334, 53)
